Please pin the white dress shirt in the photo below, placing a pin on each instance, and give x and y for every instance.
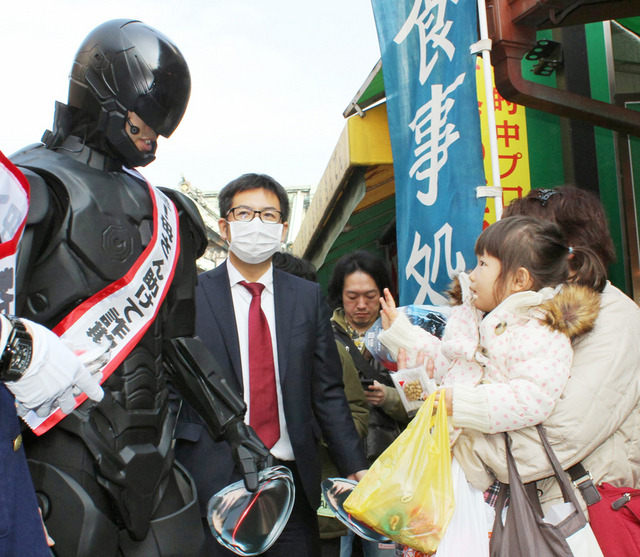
(241, 301)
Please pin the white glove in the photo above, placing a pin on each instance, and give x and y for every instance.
(92, 355)
(52, 374)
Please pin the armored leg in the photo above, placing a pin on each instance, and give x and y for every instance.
(67, 509)
(81, 529)
(178, 534)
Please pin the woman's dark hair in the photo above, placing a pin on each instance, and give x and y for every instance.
(581, 217)
(359, 260)
(248, 182)
(527, 242)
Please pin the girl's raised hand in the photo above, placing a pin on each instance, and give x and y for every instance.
(388, 311)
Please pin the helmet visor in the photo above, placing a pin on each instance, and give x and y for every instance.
(163, 106)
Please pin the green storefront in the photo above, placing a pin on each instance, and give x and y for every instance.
(600, 61)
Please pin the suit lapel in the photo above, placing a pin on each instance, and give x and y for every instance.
(284, 305)
(218, 293)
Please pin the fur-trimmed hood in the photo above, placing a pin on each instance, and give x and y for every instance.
(572, 310)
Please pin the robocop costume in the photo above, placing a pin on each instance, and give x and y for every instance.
(38, 372)
(105, 476)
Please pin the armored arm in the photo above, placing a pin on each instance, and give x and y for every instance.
(192, 369)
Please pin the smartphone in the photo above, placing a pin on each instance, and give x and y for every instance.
(366, 383)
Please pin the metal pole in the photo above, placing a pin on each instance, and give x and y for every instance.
(485, 45)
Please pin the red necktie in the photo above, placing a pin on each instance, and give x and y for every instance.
(263, 413)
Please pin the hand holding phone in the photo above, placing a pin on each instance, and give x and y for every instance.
(366, 383)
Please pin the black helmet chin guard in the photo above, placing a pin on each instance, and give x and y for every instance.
(123, 66)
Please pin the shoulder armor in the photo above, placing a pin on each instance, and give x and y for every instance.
(25, 150)
(40, 199)
(187, 208)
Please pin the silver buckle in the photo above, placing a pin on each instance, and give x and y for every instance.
(583, 479)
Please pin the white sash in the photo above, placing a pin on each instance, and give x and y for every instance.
(122, 312)
(14, 205)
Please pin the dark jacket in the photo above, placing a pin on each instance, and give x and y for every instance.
(310, 376)
(332, 527)
(386, 421)
(21, 531)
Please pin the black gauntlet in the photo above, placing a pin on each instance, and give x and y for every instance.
(192, 369)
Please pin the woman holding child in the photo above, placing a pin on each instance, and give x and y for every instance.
(597, 418)
(594, 420)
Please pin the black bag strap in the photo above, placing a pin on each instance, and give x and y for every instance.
(583, 480)
(364, 367)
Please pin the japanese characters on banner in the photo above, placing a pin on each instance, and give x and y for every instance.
(513, 146)
(434, 125)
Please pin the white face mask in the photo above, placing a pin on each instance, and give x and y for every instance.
(254, 241)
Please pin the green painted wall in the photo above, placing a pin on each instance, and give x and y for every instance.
(363, 231)
(543, 132)
(545, 145)
(605, 148)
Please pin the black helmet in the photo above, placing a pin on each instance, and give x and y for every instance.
(124, 66)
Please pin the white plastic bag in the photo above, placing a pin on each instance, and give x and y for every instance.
(468, 532)
(583, 543)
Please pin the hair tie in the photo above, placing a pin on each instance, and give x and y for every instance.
(543, 195)
(570, 250)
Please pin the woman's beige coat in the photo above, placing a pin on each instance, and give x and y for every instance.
(596, 420)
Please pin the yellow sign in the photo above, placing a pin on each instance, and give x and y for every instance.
(363, 142)
(513, 147)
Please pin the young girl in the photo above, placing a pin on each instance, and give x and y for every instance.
(505, 355)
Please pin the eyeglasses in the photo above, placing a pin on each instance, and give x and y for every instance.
(246, 214)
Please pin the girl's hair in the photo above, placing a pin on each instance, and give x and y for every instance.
(583, 222)
(536, 245)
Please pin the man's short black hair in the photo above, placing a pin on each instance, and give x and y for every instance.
(359, 260)
(252, 182)
(293, 265)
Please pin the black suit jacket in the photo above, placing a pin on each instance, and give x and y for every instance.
(310, 378)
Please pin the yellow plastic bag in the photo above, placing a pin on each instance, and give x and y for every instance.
(407, 494)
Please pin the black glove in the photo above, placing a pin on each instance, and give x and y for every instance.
(249, 452)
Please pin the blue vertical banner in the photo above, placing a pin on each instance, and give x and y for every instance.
(434, 124)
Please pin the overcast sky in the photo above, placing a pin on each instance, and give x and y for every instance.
(270, 79)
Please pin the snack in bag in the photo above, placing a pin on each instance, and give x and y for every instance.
(413, 386)
(407, 494)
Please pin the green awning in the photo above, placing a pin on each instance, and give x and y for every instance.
(371, 92)
(631, 23)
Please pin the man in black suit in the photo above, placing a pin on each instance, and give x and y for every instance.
(299, 357)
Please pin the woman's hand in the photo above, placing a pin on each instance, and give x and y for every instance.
(420, 361)
(357, 476)
(388, 311)
(448, 400)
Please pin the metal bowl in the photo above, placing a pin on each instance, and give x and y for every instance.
(250, 523)
(336, 491)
